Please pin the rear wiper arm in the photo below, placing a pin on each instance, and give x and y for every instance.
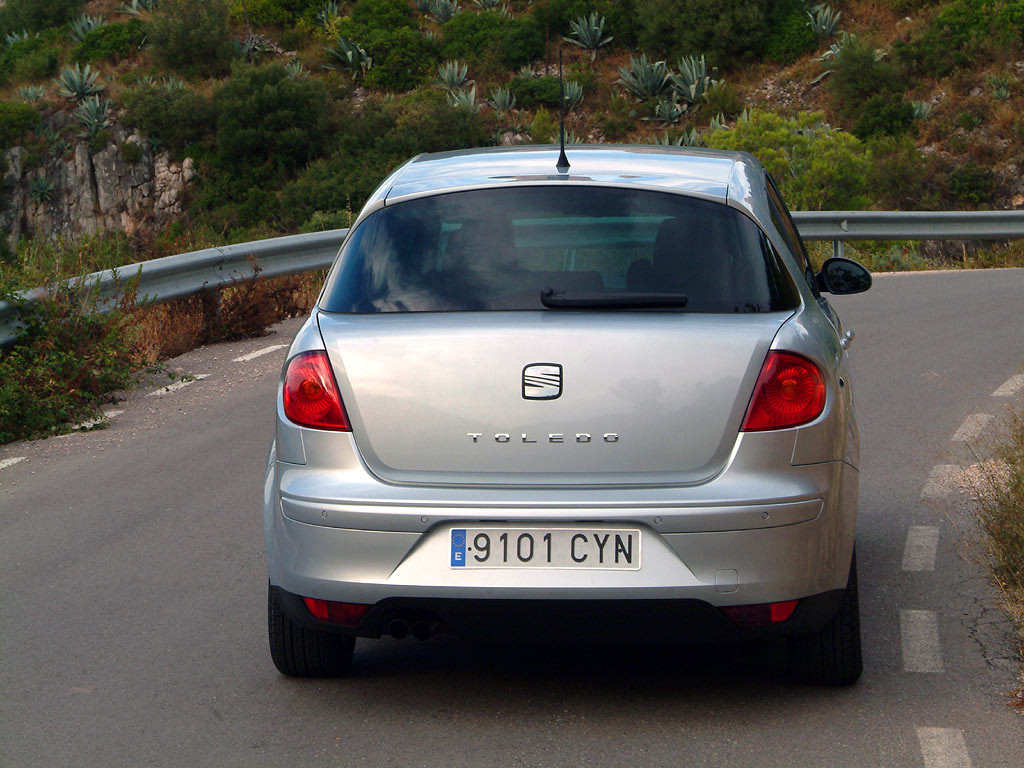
(553, 299)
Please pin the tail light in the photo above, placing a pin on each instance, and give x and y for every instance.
(310, 395)
(761, 615)
(346, 614)
(790, 391)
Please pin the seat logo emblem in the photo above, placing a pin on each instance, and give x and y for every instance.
(542, 381)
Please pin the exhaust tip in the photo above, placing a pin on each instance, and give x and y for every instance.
(398, 629)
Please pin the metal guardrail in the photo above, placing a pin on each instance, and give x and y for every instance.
(185, 274)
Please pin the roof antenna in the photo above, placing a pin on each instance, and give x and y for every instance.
(562, 165)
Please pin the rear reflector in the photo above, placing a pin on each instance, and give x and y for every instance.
(762, 615)
(346, 614)
(789, 392)
(310, 395)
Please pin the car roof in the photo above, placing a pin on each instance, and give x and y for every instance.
(732, 178)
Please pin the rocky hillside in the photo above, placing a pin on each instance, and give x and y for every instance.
(232, 119)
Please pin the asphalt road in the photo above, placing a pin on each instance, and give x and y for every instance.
(132, 611)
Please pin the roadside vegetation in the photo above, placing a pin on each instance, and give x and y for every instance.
(292, 111)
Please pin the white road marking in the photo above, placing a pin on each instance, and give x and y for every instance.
(177, 385)
(920, 634)
(972, 427)
(259, 353)
(1009, 387)
(941, 481)
(922, 544)
(5, 463)
(90, 423)
(943, 748)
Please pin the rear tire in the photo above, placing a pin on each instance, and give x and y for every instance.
(301, 652)
(831, 656)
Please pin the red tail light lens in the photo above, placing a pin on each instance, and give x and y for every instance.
(762, 615)
(347, 614)
(310, 395)
(790, 391)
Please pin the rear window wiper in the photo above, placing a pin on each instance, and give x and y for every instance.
(553, 299)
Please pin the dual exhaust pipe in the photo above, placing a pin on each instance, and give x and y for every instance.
(421, 630)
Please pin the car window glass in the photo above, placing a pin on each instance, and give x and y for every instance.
(784, 223)
(496, 249)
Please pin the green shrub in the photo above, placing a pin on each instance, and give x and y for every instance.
(176, 117)
(544, 127)
(371, 143)
(31, 59)
(727, 32)
(720, 99)
(552, 17)
(63, 365)
(16, 118)
(369, 16)
(972, 184)
(531, 92)
(131, 152)
(36, 15)
(617, 120)
(817, 168)
(402, 59)
(267, 13)
(191, 36)
(490, 41)
(858, 76)
(111, 42)
(901, 178)
(884, 113)
(789, 34)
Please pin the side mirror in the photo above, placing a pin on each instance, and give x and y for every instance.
(839, 275)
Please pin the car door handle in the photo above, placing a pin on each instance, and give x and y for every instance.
(847, 340)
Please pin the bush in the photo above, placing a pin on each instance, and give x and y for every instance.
(490, 42)
(544, 128)
(884, 113)
(789, 34)
(727, 32)
(15, 119)
(63, 365)
(901, 178)
(531, 92)
(617, 120)
(176, 117)
(857, 77)
(972, 184)
(266, 13)
(191, 36)
(402, 59)
(111, 42)
(373, 142)
(31, 59)
(816, 167)
(552, 17)
(37, 15)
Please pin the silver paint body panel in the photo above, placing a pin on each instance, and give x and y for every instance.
(363, 516)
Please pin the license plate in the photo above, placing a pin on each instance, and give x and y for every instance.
(608, 548)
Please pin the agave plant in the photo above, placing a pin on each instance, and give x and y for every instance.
(83, 25)
(14, 37)
(41, 189)
(464, 98)
(717, 122)
(453, 74)
(920, 109)
(643, 78)
(423, 6)
(572, 94)
(588, 33)
(572, 138)
(330, 10)
(502, 99)
(823, 20)
(1000, 87)
(443, 10)
(77, 83)
(94, 115)
(31, 92)
(667, 112)
(487, 5)
(693, 80)
(295, 69)
(690, 138)
(348, 57)
(137, 6)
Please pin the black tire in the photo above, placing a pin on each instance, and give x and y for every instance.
(831, 656)
(301, 652)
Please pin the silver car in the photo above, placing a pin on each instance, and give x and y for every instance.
(608, 399)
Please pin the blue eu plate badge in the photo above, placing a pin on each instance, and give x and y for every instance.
(458, 547)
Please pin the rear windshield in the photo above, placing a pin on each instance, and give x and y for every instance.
(498, 249)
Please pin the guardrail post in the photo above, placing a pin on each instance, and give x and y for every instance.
(838, 248)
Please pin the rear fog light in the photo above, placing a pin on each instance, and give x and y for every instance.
(761, 615)
(346, 614)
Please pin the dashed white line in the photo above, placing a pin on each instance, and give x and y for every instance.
(922, 544)
(5, 463)
(941, 481)
(919, 631)
(177, 385)
(972, 427)
(1009, 387)
(259, 353)
(943, 748)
